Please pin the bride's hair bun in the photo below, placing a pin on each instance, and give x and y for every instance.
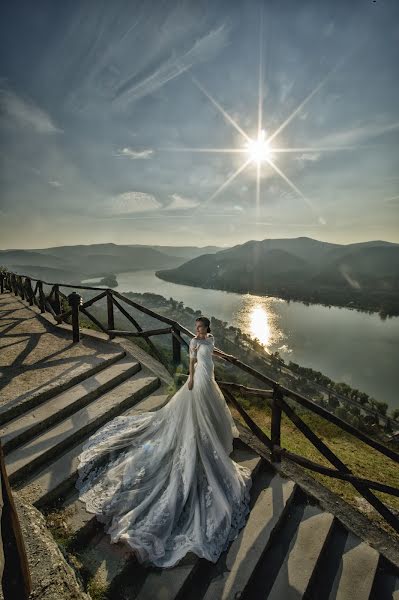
(205, 321)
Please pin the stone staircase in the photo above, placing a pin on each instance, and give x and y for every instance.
(290, 547)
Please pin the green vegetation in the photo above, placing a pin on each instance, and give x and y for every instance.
(57, 520)
(359, 457)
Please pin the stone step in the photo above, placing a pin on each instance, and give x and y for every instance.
(357, 569)
(386, 581)
(81, 523)
(103, 560)
(230, 578)
(303, 552)
(54, 441)
(166, 584)
(58, 477)
(30, 424)
(82, 370)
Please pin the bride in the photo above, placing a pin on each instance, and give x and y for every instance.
(162, 481)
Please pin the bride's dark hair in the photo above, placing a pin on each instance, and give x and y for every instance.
(205, 321)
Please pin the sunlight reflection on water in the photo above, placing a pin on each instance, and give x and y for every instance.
(258, 318)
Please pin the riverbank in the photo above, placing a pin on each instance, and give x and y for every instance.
(383, 303)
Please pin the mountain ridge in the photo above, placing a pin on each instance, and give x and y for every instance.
(363, 274)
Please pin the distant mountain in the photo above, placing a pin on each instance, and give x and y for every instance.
(101, 259)
(91, 260)
(298, 268)
(186, 252)
(48, 274)
(306, 248)
(30, 257)
(365, 267)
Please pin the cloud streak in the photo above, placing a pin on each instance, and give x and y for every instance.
(135, 154)
(202, 50)
(25, 113)
(358, 135)
(181, 203)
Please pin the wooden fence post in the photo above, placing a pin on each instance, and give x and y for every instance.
(74, 301)
(57, 302)
(14, 284)
(110, 311)
(176, 351)
(21, 287)
(276, 423)
(15, 578)
(42, 298)
(28, 287)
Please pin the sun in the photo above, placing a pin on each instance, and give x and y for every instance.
(259, 150)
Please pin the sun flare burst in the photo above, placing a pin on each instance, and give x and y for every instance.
(259, 150)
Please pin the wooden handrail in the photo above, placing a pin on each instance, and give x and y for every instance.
(323, 413)
(274, 396)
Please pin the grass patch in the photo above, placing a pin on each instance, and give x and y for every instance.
(57, 522)
(97, 590)
(361, 459)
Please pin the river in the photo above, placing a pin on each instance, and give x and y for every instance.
(346, 345)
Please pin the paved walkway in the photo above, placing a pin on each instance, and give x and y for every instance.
(34, 353)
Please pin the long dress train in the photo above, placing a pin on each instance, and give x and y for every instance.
(163, 481)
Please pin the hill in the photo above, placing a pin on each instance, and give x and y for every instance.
(186, 252)
(84, 261)
(96, 260)
(363, 275)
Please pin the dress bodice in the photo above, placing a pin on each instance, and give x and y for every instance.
(202, 350)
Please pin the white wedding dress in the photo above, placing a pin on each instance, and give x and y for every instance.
(162, 481)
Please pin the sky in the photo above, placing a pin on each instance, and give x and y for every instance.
(105, 107)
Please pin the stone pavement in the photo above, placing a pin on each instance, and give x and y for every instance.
(34, 353)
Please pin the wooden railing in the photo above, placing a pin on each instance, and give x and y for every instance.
(15, 577)
(275, 395)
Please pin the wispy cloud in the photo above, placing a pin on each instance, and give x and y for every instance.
(392, 201)
(181, 203)
(134, 154)
(329, 29)
(202, 50)
(55, 184)
(311, 156)
(25, 113)
(131, 202)
(358, 135)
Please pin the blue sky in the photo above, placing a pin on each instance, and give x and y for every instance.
(100, 102)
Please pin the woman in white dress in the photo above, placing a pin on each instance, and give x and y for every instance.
(163, 481)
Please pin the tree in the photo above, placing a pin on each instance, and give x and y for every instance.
(333, 402)
(382, 407)
(395, 414)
